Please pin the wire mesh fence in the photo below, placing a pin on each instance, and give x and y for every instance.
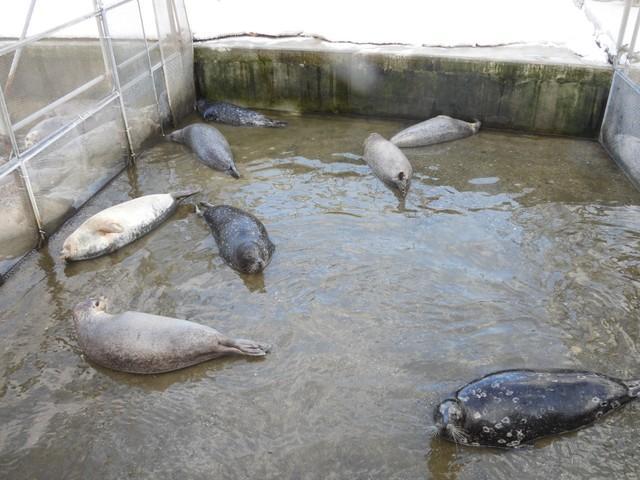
(620, 133)
(78, 100)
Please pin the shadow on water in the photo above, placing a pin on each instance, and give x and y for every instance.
(161, 381)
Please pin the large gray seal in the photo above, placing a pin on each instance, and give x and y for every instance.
(138, 342)
(242, 239)
(435, 130)
(209, 145)
(388, 163)
(514, 407)
(224, 112)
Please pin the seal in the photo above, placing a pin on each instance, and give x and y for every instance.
(209, 145)
(137, 342)
(515, 407)
(223, 112)
(241, 238)
(435, 130)
(388, 163)
(45, 128)
(117, 226)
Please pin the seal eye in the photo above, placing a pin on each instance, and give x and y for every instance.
(401, 176)
(96, 303)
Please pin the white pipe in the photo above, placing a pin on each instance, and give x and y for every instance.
(632, 45)
(623, 26)
(16, 57)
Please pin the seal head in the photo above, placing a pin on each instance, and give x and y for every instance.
(249, 257)
(449, 418)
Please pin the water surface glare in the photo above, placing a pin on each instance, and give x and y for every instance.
(510, 251)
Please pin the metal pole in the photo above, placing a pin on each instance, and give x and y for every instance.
(4, 113)
(51, 31)
(623, 27)
(632, 45)
(164, 64)
(112, 68)
(18, 54)
(153, 80)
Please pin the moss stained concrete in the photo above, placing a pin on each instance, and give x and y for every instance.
(549, 98)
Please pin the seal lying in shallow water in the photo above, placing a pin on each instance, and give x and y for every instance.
(388, 163)
(514, 407)
(435, 130)
(209, 145)
(231, 114)
(137, 342)
(117, 226)
(242, 239)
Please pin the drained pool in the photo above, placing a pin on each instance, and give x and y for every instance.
(510, 251)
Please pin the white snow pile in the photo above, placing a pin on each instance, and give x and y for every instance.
(547, 23)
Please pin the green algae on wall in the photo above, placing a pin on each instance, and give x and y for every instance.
(541, 98)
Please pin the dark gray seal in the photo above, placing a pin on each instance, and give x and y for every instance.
(209, 145)
(435, 130)
(388, 163)
(514, 407)
(223, 112)
(138, 342)
(242, 239)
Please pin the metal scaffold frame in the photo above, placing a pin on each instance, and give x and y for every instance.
(19, 158)
(627, 52)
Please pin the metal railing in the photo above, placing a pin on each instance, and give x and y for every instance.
(626, 52)
(21, 155)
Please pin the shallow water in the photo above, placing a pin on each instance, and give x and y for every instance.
(510, 251)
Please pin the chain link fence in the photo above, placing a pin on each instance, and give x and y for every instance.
(77, 102)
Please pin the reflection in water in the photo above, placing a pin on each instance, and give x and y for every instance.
(255, 282)
(376, 310)
(442, 461)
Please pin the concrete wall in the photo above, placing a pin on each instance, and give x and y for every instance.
(546, 97)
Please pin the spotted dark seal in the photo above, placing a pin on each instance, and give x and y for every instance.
(223, 112)
(242, 239)
(515, 407)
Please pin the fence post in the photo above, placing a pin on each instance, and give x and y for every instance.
(112, 68)
(153, 80)
(4, 113)
(164, 64)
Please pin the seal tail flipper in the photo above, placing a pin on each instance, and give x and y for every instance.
(475, 126)
(634, 388)
(277, 123)
(247, 347)
(205, 205)
(184, 193)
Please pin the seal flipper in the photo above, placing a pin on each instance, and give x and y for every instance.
(110, 227)
(184, 193)
(277, 124)
(634, 388)
(246, 347)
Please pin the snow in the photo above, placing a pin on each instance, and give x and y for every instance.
(557, 24)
